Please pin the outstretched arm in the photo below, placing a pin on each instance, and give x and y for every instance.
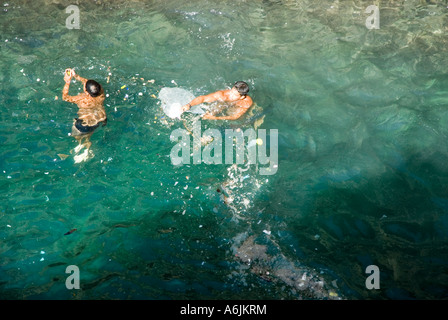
(212, 97)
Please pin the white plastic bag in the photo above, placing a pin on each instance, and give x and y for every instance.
(173, 99)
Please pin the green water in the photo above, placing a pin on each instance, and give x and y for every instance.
(362, 175)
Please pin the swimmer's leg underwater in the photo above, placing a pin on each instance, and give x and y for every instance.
(80, 137)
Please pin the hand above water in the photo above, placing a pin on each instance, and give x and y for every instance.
(186, 107)
(69, 74)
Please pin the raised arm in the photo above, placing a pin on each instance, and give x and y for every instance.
(79, 78)
(69, 74)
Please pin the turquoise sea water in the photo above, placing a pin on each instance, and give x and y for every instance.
(362, 117)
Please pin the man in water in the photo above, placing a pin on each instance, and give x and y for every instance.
(238, 101)
(91, 111)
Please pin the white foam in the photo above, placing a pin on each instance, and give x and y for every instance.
(173, 99)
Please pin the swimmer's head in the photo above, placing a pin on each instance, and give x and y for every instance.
(242, 87)
(93, 88)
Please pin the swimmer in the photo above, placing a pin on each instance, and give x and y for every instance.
(237, 98)
(91, 111)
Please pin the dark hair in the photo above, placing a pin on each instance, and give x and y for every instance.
(93, 88)
(242, 87)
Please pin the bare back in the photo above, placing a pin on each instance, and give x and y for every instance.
(91, 109)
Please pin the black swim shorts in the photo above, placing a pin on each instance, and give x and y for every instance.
(87, 129)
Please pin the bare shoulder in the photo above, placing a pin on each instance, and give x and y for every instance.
(245, 103)
(221, 94)
(215, 96)
(74, 99)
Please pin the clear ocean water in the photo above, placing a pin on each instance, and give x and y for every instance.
(362, 179)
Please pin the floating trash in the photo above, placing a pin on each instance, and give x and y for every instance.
(70, 232)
